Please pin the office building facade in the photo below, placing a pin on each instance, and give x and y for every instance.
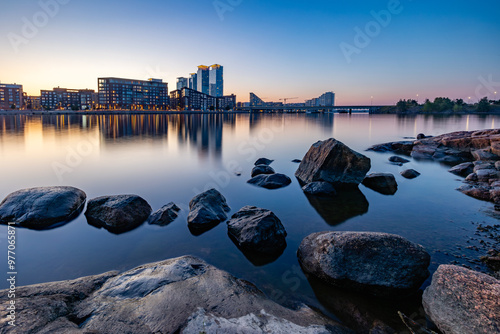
(182, 82)
(216, 80)
(193, 82)
(190, 99)
(203, 79)
(11, 96)
(119, 93)
(66, 99)
(33, 103)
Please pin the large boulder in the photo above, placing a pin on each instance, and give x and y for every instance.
(207, 210)
(271, 181)
(383, 183)
(319, 189)
(462, 169)
(164, 216)
(43, 207)
(119, 213)
(380, 264)
(410, 173)
(257, 230)
(182, 295)
(460, 300)
(332, 161)
(262, 169)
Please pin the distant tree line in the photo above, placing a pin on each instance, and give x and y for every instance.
(442, 104)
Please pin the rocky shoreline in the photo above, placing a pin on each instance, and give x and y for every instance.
(188, 295)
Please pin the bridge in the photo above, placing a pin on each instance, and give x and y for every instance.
(293, 108)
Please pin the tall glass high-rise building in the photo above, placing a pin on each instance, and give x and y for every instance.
(216, 80)
(193, 82)
(182, 82)
(203, 79)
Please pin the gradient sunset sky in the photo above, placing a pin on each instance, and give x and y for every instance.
(275, 49)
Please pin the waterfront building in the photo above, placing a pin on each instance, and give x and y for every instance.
(226, 102)
(11, 96)
(33, 103)
(256, 101)
(182, 82)
(193, 82)
(119, 93)
(66, 99)
(216, 80)
(190, 99)
(203, 77)
(325, 100)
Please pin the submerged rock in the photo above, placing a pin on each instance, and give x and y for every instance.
(182, 295)
(319, 189)
(263, 161)
(43, 207)
(380, 264)
(383, 183)
(117, 214)
(207, 210)
(332, 161)
(460, 300)
(402, 147)
(257, 230)
(167, 214)
(262, 169)
(410, 174)
(397, 159)
(272, 181)
(297, 161)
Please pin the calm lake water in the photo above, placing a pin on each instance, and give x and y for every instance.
(166, 158)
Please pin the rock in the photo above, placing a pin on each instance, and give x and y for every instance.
(272, 181)
(402, 147)
(167, 214)
(42, 208)
(207, 210)
(297, 161)
(497, 165)
(263, 161)
(380, 264)
(421, 136)
(383, 183)
(410, 174)
(319, 189)
(471, 177)
(483, 154)
(460, 300)
(332, 161)
(478, 191)
(257, 230)
(484, 175)
(337, 209)
(182, 295)
(397, 159)
(262, 169)
(117, 214)
(462, 169)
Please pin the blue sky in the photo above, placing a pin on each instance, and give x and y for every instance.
(273, 48)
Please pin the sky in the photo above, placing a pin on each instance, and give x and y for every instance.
(365, 51)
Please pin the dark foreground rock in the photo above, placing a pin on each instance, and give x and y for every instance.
(332, 161)
(43, 207)
(272, 181)
(410, 174)
(383, 183)
(319, 189)
(257, 230)
(462, 169)
(182, 295)
(460, 300)
(117, 214)
(262, 169)
(380, 264)
(207, 210)
(263, 161)
(164, 216)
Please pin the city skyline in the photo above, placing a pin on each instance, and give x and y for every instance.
(385, 50)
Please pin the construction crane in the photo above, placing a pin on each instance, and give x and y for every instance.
(288, 98)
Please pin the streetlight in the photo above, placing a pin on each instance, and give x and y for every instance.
(417, 98)
(495, 96)
(469, 99)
